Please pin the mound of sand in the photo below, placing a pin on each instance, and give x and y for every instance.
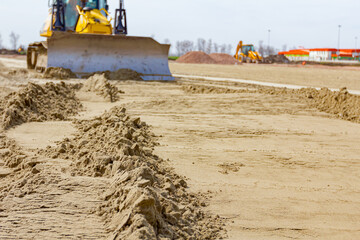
(201, 57)
(20, 75)
(146, 200)
(198, 89)
(223, 58)
(99, 84)
(196, 57)
(4, 51)
(38, 103)
(18, 72)
(276, 59)
(121, 74)
(58, 73)
(10, 153)
(340, 103)
(63, 73)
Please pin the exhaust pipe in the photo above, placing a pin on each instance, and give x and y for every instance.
(120, 25)
(58, 10)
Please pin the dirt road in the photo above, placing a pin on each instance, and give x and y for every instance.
(271, 165)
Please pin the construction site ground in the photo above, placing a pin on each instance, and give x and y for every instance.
(272, 166)
(309, 75)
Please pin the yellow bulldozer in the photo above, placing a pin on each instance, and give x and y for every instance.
(81, 37)
(247, 54)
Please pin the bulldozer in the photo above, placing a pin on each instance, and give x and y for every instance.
(247, 53)
(80, 36)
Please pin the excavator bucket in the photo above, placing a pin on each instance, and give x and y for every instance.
(87, 53)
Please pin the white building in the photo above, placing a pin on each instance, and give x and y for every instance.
(321, 54)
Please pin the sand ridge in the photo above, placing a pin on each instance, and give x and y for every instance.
(39, 103)
(99, 84)
(340, 104)
(146, 199)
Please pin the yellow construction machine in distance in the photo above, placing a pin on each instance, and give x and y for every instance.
(247, 54)
(81, 37)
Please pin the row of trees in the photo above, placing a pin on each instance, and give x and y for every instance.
(182, 47)
(265, 50)
(207, 46)
(14, 40)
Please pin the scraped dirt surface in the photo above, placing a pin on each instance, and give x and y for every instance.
(192, 158)
(276, 166)
(311, 76)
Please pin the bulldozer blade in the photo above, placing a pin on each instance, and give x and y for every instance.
(88, 53)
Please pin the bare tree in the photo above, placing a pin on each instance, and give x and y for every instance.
(261, 48)
(209, 46)
(14, 39)
(284, 48)
(229, 49)
(270, 51)
(201, 43)
(216, 48)
(183, 47)
(188, 46)
(178, 48)
(223, 48)
(167, 41)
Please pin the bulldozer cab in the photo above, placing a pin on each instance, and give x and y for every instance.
(95, 4)
(71, 14)
(247, 48)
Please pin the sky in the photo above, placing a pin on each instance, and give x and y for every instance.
(295, 23)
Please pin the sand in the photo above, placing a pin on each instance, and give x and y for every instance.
(203, 58)
(145, 198)
(311, 76)
(58, 73)
(223, 58)
(36, 103)
(206, 89)
(99, 84)
(340, 104)
(196, 57)
(121, 74)
(267, 163)
(276, 167)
